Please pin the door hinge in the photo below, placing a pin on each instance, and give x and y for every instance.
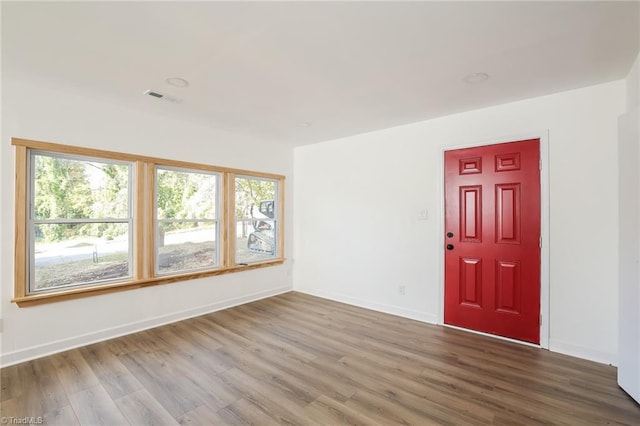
(540, 164)
(540, 242)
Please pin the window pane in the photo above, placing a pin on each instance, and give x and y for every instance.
(186, 246)
(66, 188)
(185, 195)
(256, 219)
(186, 226)
(80, 253)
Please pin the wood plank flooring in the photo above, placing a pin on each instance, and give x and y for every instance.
(299, 360)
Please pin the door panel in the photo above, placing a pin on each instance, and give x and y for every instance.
(471, 282)
(492, 261)
(471, 213)
(507, 213)
(508, 286)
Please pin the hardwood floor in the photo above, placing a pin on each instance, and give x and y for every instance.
(297, 359)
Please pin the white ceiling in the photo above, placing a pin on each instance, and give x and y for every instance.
(265, 68)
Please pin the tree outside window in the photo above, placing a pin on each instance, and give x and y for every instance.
(80, 222)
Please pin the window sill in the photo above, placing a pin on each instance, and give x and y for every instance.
(87, 291)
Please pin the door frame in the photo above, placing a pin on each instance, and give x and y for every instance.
(543, 136)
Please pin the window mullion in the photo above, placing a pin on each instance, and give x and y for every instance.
(230, 225)
(139, 222)
(150, 221)
(72, 221)
(197, 220)
(280, 219)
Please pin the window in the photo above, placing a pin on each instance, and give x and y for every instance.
(186, 220)
(80, 221)
(256, 219)
(91, 221)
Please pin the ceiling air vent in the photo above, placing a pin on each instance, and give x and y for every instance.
(162, 96)
(155, 94)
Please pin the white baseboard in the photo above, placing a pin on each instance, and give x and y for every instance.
(375, 306)
(582, 352)
(49, 348)
(554, 344)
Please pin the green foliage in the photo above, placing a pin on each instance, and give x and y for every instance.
(113, 201)
(185, 195)
(65, 188)
(61, 191)
(250, 191)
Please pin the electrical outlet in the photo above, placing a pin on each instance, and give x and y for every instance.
(422, 214)
(402, 290)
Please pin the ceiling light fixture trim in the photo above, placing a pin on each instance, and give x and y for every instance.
(476, 77)
(176, 81)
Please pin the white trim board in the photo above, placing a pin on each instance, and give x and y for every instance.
(589, 354)
(425, 317)
(50, 348)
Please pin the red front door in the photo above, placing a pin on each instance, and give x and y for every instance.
(492, 239)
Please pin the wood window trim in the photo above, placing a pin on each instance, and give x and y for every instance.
(144, 224)
(113, 155)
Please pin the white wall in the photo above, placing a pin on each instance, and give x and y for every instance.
(629, 231)
(633, 85)
(357, 237)
(38, 113)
